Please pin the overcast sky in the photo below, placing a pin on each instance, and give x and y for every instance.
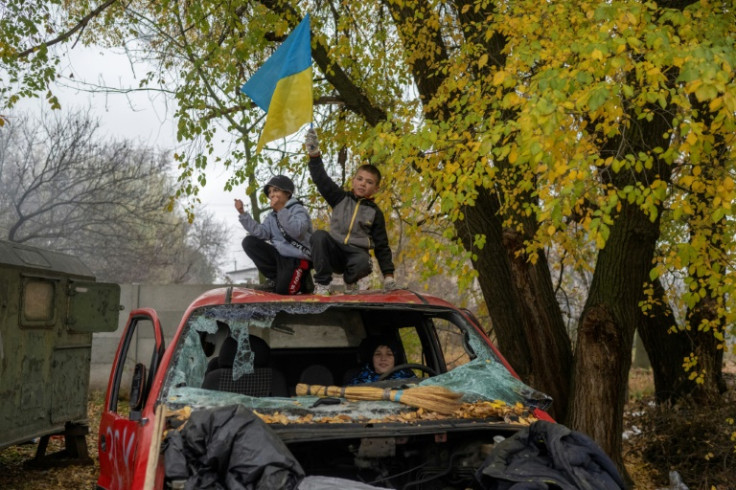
(144, 117)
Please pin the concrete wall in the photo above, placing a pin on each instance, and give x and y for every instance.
(169, 301)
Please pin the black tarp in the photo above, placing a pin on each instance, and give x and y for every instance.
(547, 456)
(229, 448)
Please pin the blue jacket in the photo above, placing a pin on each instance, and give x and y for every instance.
(368, 375)
(296, 222)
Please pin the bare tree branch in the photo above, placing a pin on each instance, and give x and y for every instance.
(66, 35)
(66, 187)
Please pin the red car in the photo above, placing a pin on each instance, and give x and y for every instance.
(253, 350)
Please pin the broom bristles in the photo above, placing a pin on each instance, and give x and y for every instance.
(434, 398)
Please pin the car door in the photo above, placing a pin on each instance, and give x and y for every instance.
(127, 415)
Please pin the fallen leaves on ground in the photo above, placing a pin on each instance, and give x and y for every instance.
(695, 442)
(14, 475)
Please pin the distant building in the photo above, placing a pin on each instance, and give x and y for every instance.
(242, 276)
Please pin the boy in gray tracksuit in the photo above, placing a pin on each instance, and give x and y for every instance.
(279, 247)
(357, 225)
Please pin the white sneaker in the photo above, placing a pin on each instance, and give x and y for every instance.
(321, 289)
(351, 288)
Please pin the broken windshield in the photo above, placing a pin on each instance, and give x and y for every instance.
(300, 334)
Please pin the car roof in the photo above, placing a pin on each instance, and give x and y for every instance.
(244, 295)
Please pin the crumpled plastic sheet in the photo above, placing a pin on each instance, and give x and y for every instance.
(331, 483)
(548, 455)
(229, 448)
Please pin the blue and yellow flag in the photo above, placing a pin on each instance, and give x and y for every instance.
(283, 86)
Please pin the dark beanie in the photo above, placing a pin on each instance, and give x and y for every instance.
(280, 182)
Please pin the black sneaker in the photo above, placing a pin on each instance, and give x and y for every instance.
(307, 286)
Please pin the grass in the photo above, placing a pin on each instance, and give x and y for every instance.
(641, 384)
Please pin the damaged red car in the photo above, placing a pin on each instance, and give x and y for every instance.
(259, 390)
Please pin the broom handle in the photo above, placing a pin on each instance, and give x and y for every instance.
(361, 393)
(321, 391)
(442, 401)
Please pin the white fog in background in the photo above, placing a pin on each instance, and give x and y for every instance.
(142, 116)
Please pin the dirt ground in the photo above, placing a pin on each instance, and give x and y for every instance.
(700, 446)
(15, 476)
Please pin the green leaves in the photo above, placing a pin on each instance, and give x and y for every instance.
(598, 97)
(560, 125)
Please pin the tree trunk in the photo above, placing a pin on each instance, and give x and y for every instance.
(703, 323)
(706, 349)
(667, 345)
(666, 349)
(606, 330)
(703, 319)
(526, 317)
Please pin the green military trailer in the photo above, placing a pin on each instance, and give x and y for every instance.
(50, 305)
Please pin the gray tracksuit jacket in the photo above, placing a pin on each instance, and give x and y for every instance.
(354, 221)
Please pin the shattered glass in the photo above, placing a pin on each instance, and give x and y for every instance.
(484, 377)
(481, 350)
(191, 362)
(292, 408)
(487, 379)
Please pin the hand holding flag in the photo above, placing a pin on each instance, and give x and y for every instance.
(312, 143)
(283, 86)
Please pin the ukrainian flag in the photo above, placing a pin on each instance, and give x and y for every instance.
(283, 86)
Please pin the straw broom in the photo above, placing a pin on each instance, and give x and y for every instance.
(434, 398)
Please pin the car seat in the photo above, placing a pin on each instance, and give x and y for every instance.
(317, 374)
(263, 381)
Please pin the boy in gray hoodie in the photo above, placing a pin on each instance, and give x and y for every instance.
(280, 246)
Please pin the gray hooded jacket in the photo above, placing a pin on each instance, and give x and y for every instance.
(296, 223)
